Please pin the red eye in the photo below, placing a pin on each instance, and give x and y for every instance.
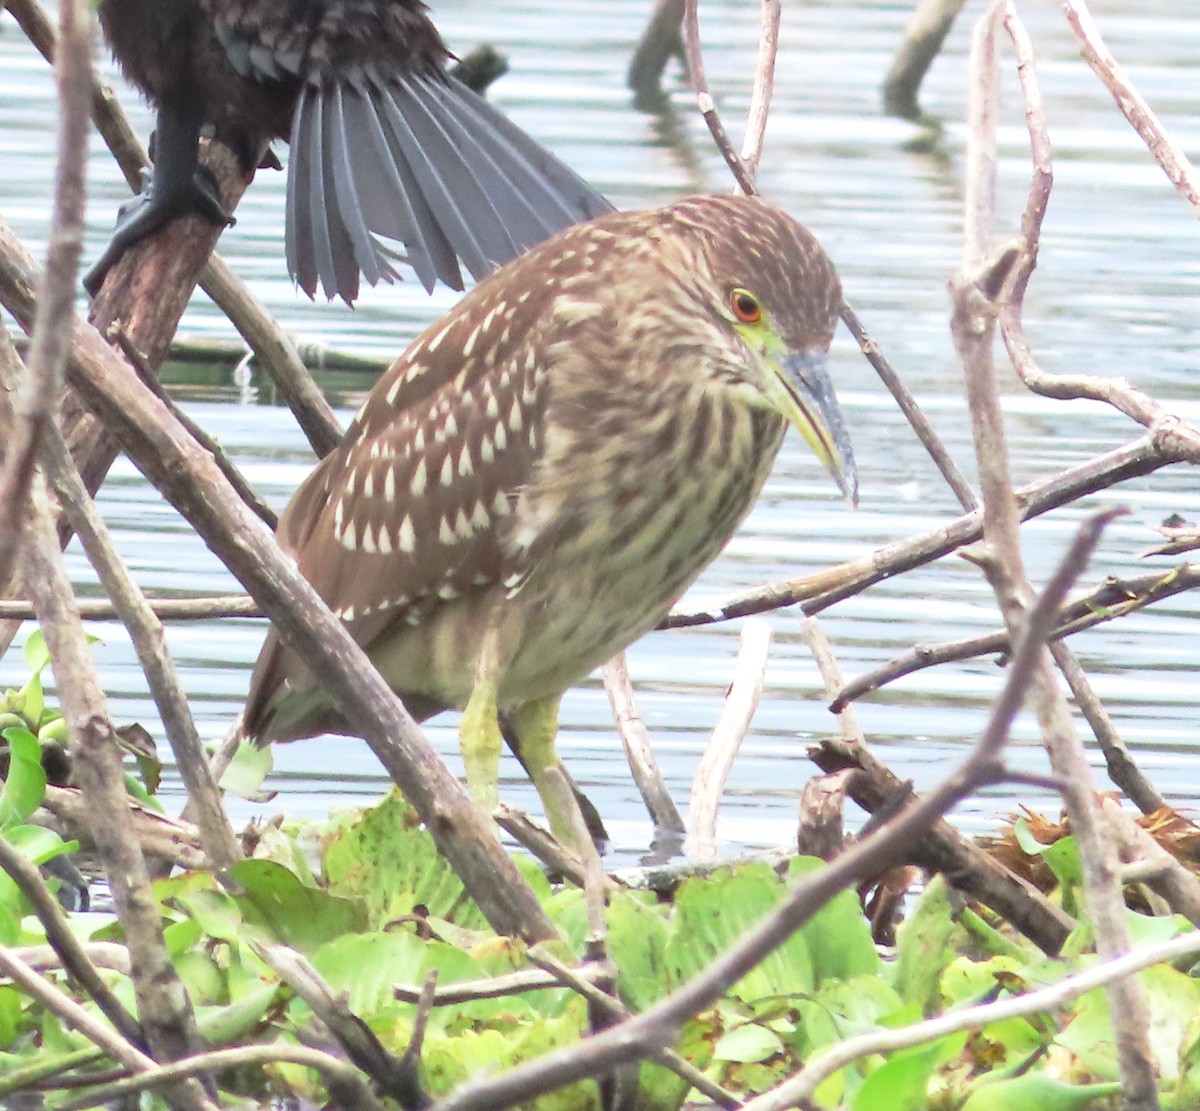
(745, 306)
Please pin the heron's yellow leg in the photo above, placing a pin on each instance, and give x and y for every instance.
(479, 737)
(536, 724)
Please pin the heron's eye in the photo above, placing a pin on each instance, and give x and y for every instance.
(745, 306)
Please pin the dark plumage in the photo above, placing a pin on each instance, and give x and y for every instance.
(385, 146)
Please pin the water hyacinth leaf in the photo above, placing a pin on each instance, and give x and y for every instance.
(450, 1061)
(838, 935)
(215, 912)
(303, 917)
(204, 980)
(38, 844)
(251, 764)
(10, 1015)
(1152, 929)
(35, 652)
(901, 1083)
(25, 785)
(1173, 998)
(32, 700)
(637, 944)
(182, 936)
(366, 966)
(711, 915)
(926, 945)
(12, 910)
(748, 1043)
(384, 857)
(224, 1025)
(1037, 1092)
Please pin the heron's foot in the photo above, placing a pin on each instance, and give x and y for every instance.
(152, 209)
(536, 725)
(480, 740)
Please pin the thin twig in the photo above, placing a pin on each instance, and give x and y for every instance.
(913, 413)
(64, 1007)
(146, 632)
(165, 1011)
(340, 1076)
(51, 340)
(983, 276)
(1113, 599)
(737, 712)
(1174, 883)
(638, 751)
(708, 107)
(495, 987)
(1166, 151)
(578, 981)
(819, 591)
(245, 491)
(165, 609)
(764, 86)
(396, 1076)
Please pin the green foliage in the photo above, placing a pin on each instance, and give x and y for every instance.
(366, 899)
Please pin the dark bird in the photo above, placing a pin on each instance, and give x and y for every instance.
(537, 479)
(385, 144)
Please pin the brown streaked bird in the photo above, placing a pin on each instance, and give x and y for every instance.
(387, 148)
(536, 480)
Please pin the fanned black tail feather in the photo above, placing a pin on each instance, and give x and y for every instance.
(421, 161)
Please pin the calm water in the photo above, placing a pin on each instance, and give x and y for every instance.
(1118, 292)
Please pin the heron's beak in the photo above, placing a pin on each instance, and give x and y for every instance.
(807, 400)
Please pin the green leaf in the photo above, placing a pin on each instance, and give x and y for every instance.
(224, 1025)
(298, 915)
(25, 786)
(902, 1082)
(748, 1043)
(1063, 860)
(250, 765)
(926, 945)
(384, 857)
(1036, 1092)
(838, 935)
(366, 966)
(33, 701)
(10, 1014)
(36, 654)
(712, 913)
(637, 944)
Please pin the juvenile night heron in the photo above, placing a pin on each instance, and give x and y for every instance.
(537, 479)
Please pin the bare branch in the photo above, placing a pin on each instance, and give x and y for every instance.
(636, 739)
(821, 590)
(741, 701)
(764, 85)
(708, 107)
(146, 632)
(974, 291)
(1167, 153)
(62, 1005)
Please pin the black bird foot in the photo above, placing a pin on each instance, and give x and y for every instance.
(152, 209)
